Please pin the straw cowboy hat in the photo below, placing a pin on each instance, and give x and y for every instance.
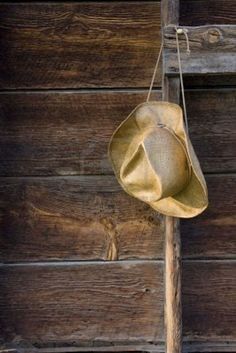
(154, 161)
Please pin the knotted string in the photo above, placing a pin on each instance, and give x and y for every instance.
(178, 31)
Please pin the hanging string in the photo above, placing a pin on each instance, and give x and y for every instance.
(155, 71)
(178, 31)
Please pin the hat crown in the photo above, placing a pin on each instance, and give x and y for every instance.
(154, 161)
(155, 165)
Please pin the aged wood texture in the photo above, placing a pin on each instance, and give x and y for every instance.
(212, 234)
(46, 304)
(82, 303)
(85, 218)
(172, 257)
(212, 128)
(138, 348)
(188, 347)
(213, 50)
(203, 12)
(209, 300)
(61, 133)
(209, 81)
(173, 300)
(68, 134)
(191, 347)
(74, 45)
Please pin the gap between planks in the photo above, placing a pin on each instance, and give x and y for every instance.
(92, 176)
(111, 90)
(107, 263)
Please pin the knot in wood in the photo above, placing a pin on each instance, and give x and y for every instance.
(213, 35)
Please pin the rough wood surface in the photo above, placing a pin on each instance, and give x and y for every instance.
(212, 234)
(188, 347)
(68, 134)
(44, 304)
(61, 133)
(212, 128)
(209, 300)
(78, 44)
(173, 300)
(203, 12)
(213, 50)
(210, 81)
(81, 303)
(85, 218)
(172, 256)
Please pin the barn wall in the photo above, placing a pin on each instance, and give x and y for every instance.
(69, 74)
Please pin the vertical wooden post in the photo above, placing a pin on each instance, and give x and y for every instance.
(173, 306)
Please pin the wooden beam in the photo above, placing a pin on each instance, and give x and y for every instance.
(213, 50)
(173, 307)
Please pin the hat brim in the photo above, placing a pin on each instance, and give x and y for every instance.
(193, 199)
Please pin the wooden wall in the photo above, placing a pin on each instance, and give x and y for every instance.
(70, 72)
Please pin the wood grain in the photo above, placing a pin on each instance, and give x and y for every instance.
(211, 81)
(78, 44)
(82, 303)
(47, 304)
(82, 218)
(60, 133)
(209, 300)
(212, 50)
(212, 128)
(68, 134)
(212, 234)
(85, 218)
(203, 12)
(172, 256)
(173, 285)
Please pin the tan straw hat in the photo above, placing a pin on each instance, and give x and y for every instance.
(154, 161)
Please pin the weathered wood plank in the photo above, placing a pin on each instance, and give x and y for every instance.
(212, 234)
(203, 12)
(209, 81)
(82, 303)
(209, 300)
(112, 302)
(85, 218)
(212, 128)
(78, 44)
(68, 134)
(139, 348)
(213, 50)
(188, 347)
(60, 133)
(172, 255)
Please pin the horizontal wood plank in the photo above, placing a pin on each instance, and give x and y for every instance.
(211, 81)
(212, 128)
(203, 12)
(209, 300)
(48, 304)
(68, 134)
(212, 50)
(212, 234)
(91, 218)
(188, 347)
(74, 303)
(79, 44)
(85, 218)
(60, 133)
